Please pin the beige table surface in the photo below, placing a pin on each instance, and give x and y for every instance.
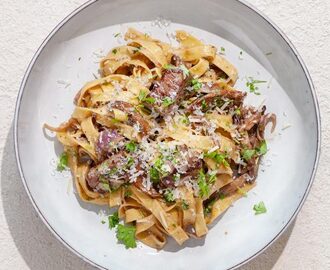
(25, 242)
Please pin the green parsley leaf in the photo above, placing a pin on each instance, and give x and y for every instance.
(102, 221)
(126, 235)
(167, 102)
(247, 154)
(117, 35)
(127, 193)
(262, 149)
(184, 70)
(251, 84)
(114, 51)
(154, 175)
(204, 188)
(218, 158)
(237, 112)
(62, 163)
(185, 120)
(204, 105)
(196, 84)
(143, 97)
(113, 220)
(105, 186)
(222, 50)
(169, 66)
(185, 205)
(131, 146)
(259, 208)
(212, 176)
(168, 195)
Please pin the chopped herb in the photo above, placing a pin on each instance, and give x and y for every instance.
(102, 221)
(251, 84)
(237, 112)
(126, 234)
(184, 70)
(269, 53)
(117, 35)
(204, 188)
(154, 175)
(167, 102)
(127, 193)
(182, 67)
(185, 120)
(208, 207)
(62, 163)
(204, 105)
(114, 51)
(259, 208)
(130, 162)
(131, 146)
(112, 171)
(143, 97)
(247, 154)
(262, 149)
(113, 220)
(169, 66)
(222, 50)
(105, 186)
(185, 205)
(218, 158)
(168, 195)
(196, 84)
(212, 176)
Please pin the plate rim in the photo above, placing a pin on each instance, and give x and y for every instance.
(258, 13)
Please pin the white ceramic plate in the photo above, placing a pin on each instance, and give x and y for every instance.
(68, 58)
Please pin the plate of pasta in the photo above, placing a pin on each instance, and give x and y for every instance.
(162, 141)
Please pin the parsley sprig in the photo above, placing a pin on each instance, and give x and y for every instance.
(252, 85)
(63, 161)
(259, 208)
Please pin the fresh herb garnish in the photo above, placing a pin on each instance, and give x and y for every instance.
(247, 154)
(262, 149)
(222, 50)
(169, 66)
(113, 220)
(222, 196)
(196, 84)
(154, 175)
(131, 146)
(130, 162)
(143, 97)
(185, 205)
(126, 234)
(204, 188)
(251, 84)
(127, 193)
(184, 70)
(185, 120)
(105, 186)
(204, 105)
(167, 102)
(218, 158)
(237, 111)
(168, 195)
(62, 163)
(102, 221)
(114, 51)
(117, 35)
(259, 208)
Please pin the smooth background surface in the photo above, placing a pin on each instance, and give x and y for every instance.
(25, 243)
